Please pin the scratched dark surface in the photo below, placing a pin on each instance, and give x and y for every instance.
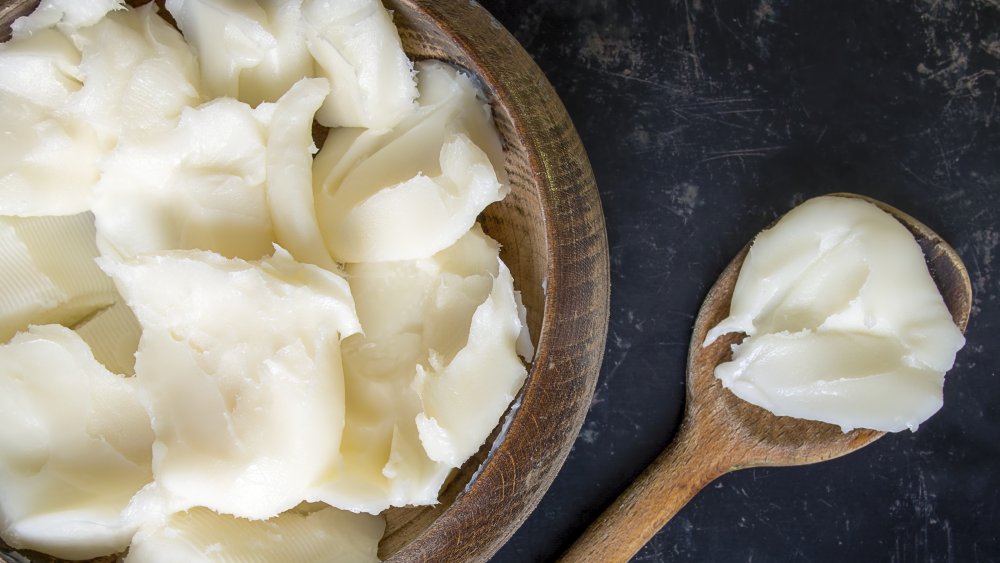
(705, 120)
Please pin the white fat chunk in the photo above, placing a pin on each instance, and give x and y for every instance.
(48, 166)
(143, 73)
(42, 68)
(411, 312)
(311, 533)
(285, 63)
(64, 14)
(200, 186)
(289, 171)
(249, 50)
(354, 160)
(464, 398)
(74, 447)
(48, 163)
(854, 380)
(419, 216)
(357, 48)
(416, 189)
(844, 323)
(49, 274)
(67, 94)
(247, 402)
(406, 308)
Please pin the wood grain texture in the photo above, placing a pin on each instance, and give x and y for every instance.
(552, 232)
(722, 433)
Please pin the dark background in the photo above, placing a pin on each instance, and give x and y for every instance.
(705, 120)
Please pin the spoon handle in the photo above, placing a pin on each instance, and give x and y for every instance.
(660, 491)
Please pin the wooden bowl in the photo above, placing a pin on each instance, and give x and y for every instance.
(552, 230)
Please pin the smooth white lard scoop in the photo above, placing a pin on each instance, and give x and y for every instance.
(38, 73)
(201, 185)
(307, 533)
(75, 446)
(228, 178)
(290, 150)
(64, 14)
(71, 87)
(413, 311)
(357, 48)
(48, 274)
(41, 68)
(138, 74)
(463, 398)
(412, 191)
(251, 51)
(844, 323)
(239, 366)
(31, 184)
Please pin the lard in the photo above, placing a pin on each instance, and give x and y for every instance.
(283, 342)
(75, 445)
(843, 321)
(308, 533)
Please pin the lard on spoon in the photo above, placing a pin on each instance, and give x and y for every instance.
(843, 321)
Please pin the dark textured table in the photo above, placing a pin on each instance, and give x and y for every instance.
(705, 120)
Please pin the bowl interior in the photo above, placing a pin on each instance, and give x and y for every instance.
(553, 240)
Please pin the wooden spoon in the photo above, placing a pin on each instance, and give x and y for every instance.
(722, 433)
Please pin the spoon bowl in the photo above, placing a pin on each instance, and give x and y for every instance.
(721, 433)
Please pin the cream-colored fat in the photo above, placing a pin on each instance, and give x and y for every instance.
(289, 171)
(309, 533)
(377, 191)
(73, 83)
(250, 51)
(420, 320)
(356, 39)
(200, 185)
(844, 323)
(253, 409)
(74, 447)
(48, 273)
(253, 392)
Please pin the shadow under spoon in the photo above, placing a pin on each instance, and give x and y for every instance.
(722, 433)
